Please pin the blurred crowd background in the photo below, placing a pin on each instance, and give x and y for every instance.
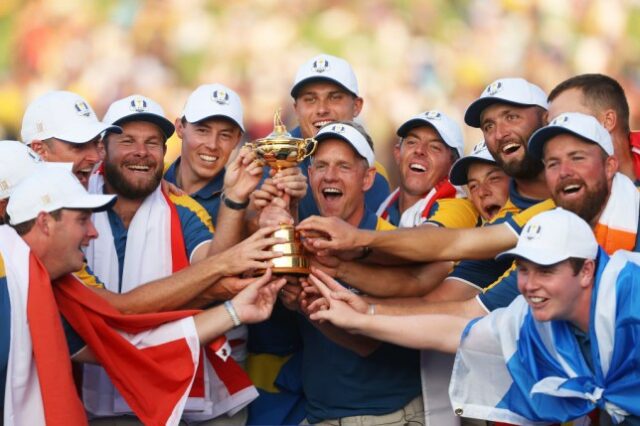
(409, 55)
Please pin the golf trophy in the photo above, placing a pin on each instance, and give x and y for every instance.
(279, 150)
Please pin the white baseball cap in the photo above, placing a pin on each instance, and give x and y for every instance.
(138, 108)
(17, 162)
(328, 68)
(214, 100)
(50, 189)
(574, 123)
(460, 169)
(515, 91)
(553, 236)
(62, 115)
(349, 134)
(447, 128)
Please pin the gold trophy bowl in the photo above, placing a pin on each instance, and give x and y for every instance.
(279, 150)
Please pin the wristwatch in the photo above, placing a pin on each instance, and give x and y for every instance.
(233, 205)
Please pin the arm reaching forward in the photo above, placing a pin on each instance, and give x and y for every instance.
(437, 332)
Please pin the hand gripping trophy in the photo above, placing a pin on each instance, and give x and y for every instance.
(280, 150)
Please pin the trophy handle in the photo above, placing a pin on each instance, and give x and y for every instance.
(309, 148)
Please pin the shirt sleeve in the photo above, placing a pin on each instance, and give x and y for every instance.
(502, 292)
(454, 213)
(197, 227)
(88, 278)
(479, 273)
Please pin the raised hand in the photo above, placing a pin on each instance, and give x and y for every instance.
(251, 253)
(329, 233)
(242, 176)
(340, 307)
(291, 181)
(274, 214)
(255, 303)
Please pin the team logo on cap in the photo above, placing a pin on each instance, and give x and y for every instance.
(4, 185)
(320, 65)
(338, 128)
(494, 88)
(560, 120)
(532, 232)
(138, 104)
(433, 115)
(82, 108)
(480, 146)
(46, 199)
(220, 96)
(34, 156)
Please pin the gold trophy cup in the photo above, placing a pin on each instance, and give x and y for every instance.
(279, 150)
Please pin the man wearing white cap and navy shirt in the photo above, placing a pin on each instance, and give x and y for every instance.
(345, 378)
(62, 127)
(50, 213)
(567, 345)
(139, 240)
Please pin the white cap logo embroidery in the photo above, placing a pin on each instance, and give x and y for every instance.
(494, 88)
(320, 65)
(220, 96)
(82, 108)
(433, 115)
(532, 232)
(138, 104)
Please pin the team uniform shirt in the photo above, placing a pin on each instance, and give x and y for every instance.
(445, 212)
(502, 292)
(373, 197)
(208, 197)
(551, 371)
(339, 383)
(482, 273)
(195, 222)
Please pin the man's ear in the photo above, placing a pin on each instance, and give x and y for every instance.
(358, 103)
(179, 127)
(369, 178)
(40, 148)
(609, 120)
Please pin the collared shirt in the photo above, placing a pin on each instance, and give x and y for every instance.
(208, 196)
(634, 142)
(194, 220)
(340, 383)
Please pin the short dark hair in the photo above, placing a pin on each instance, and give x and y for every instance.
(600, 92)
(576, 264)
(24, 227)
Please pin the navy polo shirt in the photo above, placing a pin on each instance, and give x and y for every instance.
(340, 383)
(208, 196)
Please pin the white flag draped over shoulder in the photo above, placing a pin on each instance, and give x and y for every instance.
(514, 369)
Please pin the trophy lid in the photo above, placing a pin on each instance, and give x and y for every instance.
(279, 133)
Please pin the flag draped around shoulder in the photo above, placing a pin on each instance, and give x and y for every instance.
(512, 368)
(151, 359)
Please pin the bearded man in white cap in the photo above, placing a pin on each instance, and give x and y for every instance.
(147, 234)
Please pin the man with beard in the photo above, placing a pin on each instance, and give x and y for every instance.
(146, 234)
(62, 127)
(603, 97)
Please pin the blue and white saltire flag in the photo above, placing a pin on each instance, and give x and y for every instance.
(514, 369)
